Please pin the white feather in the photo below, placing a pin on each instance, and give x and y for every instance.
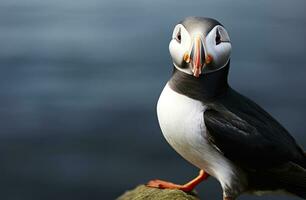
(221, 52)
(182, 122)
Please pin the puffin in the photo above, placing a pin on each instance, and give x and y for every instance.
(223, 133)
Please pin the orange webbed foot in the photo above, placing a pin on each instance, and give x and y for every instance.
(167, 185)
(188, 187)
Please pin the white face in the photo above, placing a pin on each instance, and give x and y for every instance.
(195, 53)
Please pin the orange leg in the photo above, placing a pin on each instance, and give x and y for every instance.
(186, 187)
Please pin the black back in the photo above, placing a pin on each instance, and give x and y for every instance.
(248, 135)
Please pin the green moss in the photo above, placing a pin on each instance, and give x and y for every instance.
(142, 192)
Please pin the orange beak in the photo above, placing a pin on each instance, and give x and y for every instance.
(197, 57)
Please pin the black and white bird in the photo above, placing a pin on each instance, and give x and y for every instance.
(218, 130)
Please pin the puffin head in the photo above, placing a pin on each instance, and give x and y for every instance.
(199, 45)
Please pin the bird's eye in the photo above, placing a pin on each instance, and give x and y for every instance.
(179, 36)
(218, 37)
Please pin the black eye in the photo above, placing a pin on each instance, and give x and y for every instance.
(218, 37)
(179, 36)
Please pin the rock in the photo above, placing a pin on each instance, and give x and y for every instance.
(143, 192)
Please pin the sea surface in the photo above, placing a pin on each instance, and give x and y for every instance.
(79, 82)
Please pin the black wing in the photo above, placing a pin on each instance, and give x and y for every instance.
(248, 135)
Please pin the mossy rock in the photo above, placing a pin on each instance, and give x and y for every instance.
(143, 192)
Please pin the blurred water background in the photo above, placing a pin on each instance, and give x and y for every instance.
(79, 83)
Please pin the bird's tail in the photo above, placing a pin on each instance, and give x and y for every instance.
(292, 178)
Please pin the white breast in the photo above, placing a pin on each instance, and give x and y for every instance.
(182, 122)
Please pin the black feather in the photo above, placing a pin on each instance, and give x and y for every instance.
(288, 177)
(247, 134)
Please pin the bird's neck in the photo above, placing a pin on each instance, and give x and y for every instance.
(207, 86)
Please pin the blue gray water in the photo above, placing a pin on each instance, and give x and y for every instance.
(79, 83)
